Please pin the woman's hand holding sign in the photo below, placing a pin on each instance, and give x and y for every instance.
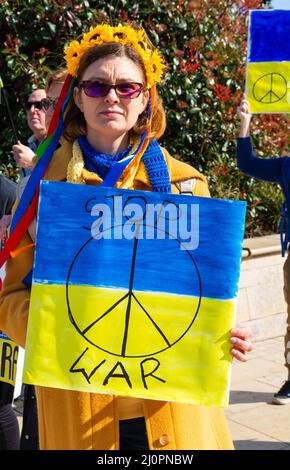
(240, 338)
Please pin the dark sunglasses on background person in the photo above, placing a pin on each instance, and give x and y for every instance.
(48, 103)
(95, 89)
(36, 104)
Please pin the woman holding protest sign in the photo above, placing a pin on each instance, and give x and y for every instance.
(111, 126)
(273, 170)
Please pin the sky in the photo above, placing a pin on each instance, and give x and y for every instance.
(283, 4)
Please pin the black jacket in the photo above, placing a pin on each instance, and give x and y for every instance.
(7, 195)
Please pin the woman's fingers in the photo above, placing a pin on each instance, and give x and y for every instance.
(240, 356)
(240, 338)
(244, 106)
(242, 345)
(243, 332)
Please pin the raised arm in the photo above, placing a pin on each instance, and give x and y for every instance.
(265, 169)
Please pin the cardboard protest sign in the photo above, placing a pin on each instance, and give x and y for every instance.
(134, 293)
(268, 67)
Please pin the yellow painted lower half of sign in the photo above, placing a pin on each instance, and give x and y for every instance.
(268, 87)
(140, 344)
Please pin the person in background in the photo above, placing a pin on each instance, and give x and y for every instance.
(29, 434)
(23, 154)
(53, 85)
(9, 428)
(25, 403)
(7, 199)
(273, 170)
(40, 107)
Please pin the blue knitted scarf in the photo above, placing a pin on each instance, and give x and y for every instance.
(153, 159)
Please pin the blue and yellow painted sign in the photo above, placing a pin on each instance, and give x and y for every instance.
(134, 293)
(268, 68)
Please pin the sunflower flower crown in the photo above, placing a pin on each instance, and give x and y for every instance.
(126, 35)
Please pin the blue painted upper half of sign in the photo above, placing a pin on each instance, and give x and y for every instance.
(67, 253)
(269, 34)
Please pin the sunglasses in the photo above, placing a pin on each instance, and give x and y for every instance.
(48, 103)
(95, 89)
(36, 104)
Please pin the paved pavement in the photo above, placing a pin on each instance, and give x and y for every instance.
(255, 423)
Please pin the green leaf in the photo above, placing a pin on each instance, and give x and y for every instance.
(10, 63)
(51, 26)
(194, 110)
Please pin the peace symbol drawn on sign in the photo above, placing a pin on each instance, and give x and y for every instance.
(131, 298)
(270, 88)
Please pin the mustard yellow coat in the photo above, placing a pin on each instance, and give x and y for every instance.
(78, 420)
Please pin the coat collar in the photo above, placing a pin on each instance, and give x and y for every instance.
(178, 170)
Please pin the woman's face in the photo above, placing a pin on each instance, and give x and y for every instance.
(111, 115)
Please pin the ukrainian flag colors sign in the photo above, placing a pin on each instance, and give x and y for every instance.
(134, 293)
(268, 68)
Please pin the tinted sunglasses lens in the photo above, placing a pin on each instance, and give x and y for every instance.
(129, 90)
(124, 90)
(96, 89)
(45, 104)
(48, 103)
(36, 104)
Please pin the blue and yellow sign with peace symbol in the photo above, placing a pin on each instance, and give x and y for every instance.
(268, 67)
(134, 293)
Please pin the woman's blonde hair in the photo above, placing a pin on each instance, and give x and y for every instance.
(74, 121)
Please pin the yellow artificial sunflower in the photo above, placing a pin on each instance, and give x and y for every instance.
(94, 34)
(157, 66)
(72, 57)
